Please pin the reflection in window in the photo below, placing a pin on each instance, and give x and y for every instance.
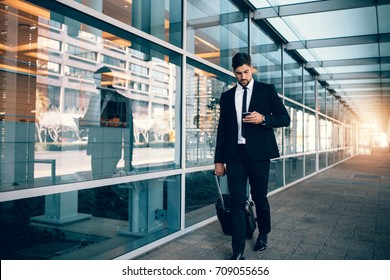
(310, 131)
(266, 59)
(322, 160)
(329, 104)
(310, 164)
(81, 52)
(161, 19)
(53, 67)
(201, 194)
(348, 137)
(49, 44)
(78, 112)
(321, 99)
(322, 134)
(292, 79)
(78, 72)
(202, 108)
(331, 157)
(216, 30)
(294, 168)
(309, 91)
(337, 134)
(137, 69)
(90, 224)
(329, 135)
(336, 110)
(275, 175)
(113, 61)
(294, 133)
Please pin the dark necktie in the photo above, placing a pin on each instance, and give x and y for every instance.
(243, 110)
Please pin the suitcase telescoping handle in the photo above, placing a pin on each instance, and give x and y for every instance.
(220, 192)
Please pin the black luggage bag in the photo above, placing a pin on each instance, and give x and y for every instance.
(222, 206)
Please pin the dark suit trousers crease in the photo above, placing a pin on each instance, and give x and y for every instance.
(237, 175)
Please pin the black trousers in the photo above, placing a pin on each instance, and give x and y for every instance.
(237, 175)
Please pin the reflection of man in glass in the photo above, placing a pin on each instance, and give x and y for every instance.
(109, 120)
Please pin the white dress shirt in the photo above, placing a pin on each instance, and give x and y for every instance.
(238, 101)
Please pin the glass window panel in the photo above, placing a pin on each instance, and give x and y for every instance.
(283, 28)
(343, 114)
(353, 69)
(310, 131)
(161, 19)
(322, 160)
(329, 104)
(322, 71)
(275, 180)
(306, 54)
(309, 93)
(279, 140)
(334, 24)
(310, 164)
(340, 155)
(294, 168)
(266, 3)
(329, 135)
(336, 109)
(366, 89)
(346, 52)
(383, 18)
(348, 153)
(201, 195)
(293, 79)
(384, 49)
(322, 132)
(216, 31)
(331, 158)
(266, 59)
(79, 119)
(204, 87)
(260, 3)
(294, 133)
(321, 99)
(348, 137)
(91, 224)
(288, 2)
(336, 135)
(385, 67)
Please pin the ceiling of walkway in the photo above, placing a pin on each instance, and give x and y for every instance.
(346, 43)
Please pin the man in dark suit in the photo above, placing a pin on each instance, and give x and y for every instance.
(245, 145)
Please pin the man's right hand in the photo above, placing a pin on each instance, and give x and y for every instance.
(219, 169)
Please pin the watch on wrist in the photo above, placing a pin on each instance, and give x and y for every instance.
(263, 119)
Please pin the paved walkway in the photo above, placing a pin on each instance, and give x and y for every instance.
(341, 213)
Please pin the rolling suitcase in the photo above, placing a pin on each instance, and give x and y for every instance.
(222, 206)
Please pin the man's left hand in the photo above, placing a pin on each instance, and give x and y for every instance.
(254, 118)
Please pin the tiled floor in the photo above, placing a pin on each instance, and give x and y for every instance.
(341, 213)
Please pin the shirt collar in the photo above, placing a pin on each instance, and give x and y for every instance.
(249, 86)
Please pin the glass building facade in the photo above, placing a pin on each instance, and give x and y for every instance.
(108, 115)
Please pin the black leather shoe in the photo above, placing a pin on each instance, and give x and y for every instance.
(237, 256)
(261, 243)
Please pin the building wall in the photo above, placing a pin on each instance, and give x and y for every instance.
(109, 116)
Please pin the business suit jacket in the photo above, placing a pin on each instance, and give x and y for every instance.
(260, 138)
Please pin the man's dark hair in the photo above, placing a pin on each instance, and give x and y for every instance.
(240, 59)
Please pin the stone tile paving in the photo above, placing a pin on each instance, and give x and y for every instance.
(340, 213)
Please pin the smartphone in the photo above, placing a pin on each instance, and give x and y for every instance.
(244, 114)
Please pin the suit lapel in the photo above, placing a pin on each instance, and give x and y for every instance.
(257, 98)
